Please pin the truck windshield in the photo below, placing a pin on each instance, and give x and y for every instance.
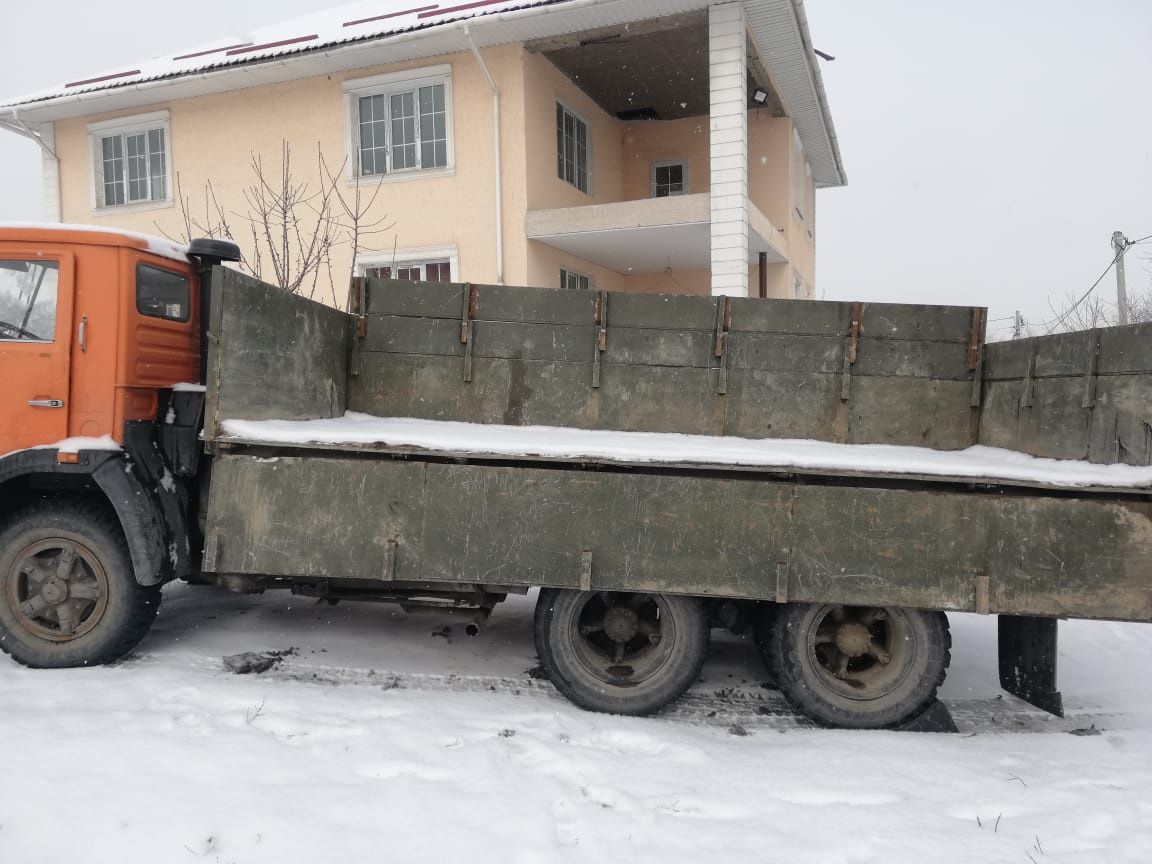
(28, 299)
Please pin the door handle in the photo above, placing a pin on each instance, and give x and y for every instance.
(46, 403)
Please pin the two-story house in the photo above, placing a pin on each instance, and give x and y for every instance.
(629, 145)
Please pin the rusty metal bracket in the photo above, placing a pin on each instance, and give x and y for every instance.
(358, 300)
(1089, 400)
(781, 581)
(720, 343)
(211, 552)
(388, 566)
(975, 339)
(975, 355)
(586, 570)
(601, 320)
(471, 295)
(357, 307)
(981, 590)
(1029, 380)
(851, 349)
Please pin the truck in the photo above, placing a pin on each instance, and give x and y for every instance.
(831, 478)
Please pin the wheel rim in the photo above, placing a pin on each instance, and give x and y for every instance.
(57, 589)
(861, 652)
(623, 639)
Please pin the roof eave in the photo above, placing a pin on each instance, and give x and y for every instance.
(443, 37)
(821, 94)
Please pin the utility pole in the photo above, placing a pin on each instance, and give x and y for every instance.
(1120, 244)
(1018, 325)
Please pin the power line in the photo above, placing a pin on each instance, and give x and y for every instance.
(1053, 325)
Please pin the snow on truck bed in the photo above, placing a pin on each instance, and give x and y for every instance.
(661, 448)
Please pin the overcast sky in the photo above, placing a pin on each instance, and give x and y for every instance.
(991, 148)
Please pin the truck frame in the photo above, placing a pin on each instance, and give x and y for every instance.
(220, 457)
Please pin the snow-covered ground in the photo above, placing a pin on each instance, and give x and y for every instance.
(380, 741)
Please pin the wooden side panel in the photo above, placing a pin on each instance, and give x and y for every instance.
(742, 537)
(656, 363)
(273, 355)
(918, 548)
(314, 516)
(1085, 395)
(646, 532)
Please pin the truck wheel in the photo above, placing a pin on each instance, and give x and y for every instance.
(617, 652)
(861, 667)
(68, 596)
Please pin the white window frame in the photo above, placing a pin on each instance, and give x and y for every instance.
(385, 85)
(576, 115)
(565, 272)
(127, 126)
(668, 163)
(418, 257)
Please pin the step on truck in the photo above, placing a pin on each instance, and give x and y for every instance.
(832, 478)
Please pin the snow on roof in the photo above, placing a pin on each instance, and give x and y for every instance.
(352, 22)
(161, 246)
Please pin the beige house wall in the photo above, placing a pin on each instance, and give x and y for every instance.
(453, 209)
(210, 136)
(544, 86)
(665, 141)
(545, 263)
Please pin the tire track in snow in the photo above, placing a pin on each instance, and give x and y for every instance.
(755, 709)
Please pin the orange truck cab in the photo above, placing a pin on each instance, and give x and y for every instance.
(100, 406)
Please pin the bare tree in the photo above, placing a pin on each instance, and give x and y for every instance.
(1140, 307)
(291, 225)
(1092, 311)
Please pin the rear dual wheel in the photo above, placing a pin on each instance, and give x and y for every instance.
(620, 652)
(861, 667)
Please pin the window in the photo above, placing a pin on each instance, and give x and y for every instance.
(130, 161)
(28, 300)
(571, 148)
(668, 178)
(162, 293)
(421, 271)
(400, 123)
(573, 281)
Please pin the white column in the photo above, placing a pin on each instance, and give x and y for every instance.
(50, 172)
(728, 146)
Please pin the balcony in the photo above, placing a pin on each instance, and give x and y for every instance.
(649, 235)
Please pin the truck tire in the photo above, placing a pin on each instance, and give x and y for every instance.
(68, 595)
(617, 652)
(859, 667)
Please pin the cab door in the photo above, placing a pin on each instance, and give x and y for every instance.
(36, 294)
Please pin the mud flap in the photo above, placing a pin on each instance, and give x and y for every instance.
(1028, 661)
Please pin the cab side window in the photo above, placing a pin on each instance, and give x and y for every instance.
(162, 293)
(28, 299)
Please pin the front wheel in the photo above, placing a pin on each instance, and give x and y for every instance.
(68, 596)
(619, 652)
(861, 667)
